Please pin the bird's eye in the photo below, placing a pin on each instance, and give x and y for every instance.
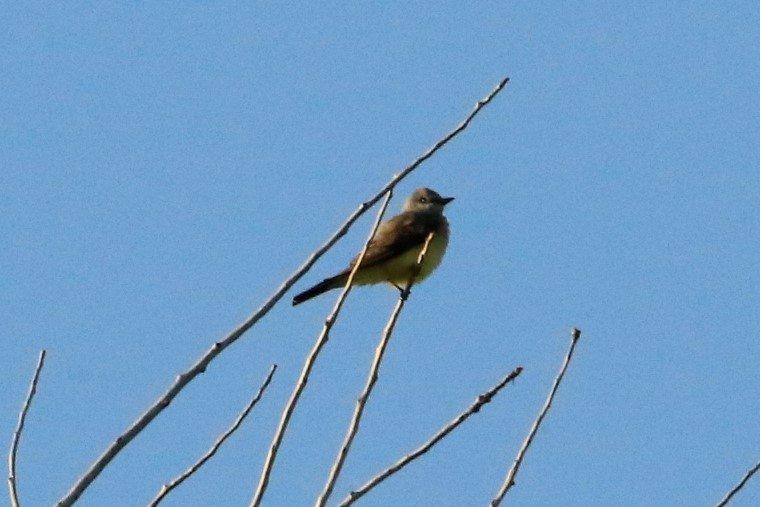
(423, 199)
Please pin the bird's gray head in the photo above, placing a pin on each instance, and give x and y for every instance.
(424, 199)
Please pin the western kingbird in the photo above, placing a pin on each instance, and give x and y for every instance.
(392, 253)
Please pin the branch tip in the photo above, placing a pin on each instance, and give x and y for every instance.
(97, 467)
(168, 487)
(509, 481)
(448, 428)
(12, 480)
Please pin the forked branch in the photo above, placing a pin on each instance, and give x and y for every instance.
(203, 362)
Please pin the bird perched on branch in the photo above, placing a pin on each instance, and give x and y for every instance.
(393, 252)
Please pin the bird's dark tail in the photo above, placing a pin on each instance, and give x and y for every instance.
(320, 288)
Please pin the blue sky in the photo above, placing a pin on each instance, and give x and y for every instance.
(164, 167)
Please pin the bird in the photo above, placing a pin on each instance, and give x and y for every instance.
(392, 254)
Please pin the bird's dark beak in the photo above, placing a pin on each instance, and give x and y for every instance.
(446, 200)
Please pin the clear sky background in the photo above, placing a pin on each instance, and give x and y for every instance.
(165, 166)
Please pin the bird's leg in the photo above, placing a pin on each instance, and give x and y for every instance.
(404, 291)
(400, 288)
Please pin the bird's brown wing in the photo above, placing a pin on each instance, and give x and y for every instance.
(397, 236)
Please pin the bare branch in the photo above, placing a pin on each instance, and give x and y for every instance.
(202, 363)
(167, 488)
(311, 359)
(739, 486)
(451, 426)
(445, 139)
(361, 402)
(510, 479)
(12, 490)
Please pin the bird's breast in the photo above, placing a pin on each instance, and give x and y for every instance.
(401, 268)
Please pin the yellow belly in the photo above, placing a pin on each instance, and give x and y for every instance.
(399, 269)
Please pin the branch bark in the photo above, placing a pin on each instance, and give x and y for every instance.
(475, 407)
(311, 359)
(509, 481)
(361, 403)
(724, 501)
(12, 486)
(167, 488)
(203, 362)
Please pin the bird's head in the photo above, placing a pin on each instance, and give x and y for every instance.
(424, 199)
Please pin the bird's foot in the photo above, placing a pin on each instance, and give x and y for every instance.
(403, 291)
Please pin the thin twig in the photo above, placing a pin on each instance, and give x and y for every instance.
(739, 486)
(167, 488)
(12, 490)
(361, 402)
(322, 339)
(509, 481)
(202, 363)
(451, 426)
